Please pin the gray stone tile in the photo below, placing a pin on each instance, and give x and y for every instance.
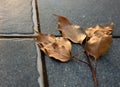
(18, 66)
(82, 12)
(85, 13)
(74, 74)
(16, 16)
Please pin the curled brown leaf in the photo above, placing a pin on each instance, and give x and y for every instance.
(98, 41)
(70, 31)
(58, 48)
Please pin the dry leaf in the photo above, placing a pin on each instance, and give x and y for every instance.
(56, 47)
(99, 39)
(70, 31)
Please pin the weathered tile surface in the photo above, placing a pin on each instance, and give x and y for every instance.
(73, 74)
(85, 13)
(82, 12)
(16, 16)
(18, 66)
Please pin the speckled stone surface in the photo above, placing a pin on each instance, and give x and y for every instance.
(16, 16)
(18, 63)
(85, 13)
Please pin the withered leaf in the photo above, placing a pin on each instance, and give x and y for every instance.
(70, 31)
(98, 41)
(56, 47)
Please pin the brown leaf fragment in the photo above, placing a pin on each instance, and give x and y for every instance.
(70, 31)
(99, 40)
(56, 47)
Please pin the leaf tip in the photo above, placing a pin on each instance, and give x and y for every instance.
(111, 25)
(55, 15)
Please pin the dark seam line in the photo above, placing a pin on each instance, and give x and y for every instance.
(45, 76)
(37, 15)
(116, 36)
(7, 37)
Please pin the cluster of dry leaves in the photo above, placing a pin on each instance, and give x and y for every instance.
(96, 40)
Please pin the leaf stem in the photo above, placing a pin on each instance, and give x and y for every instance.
(92, 70)
(95, 65)
(78, 60)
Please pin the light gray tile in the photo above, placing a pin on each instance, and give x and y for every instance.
(18, 63)
(16, 16)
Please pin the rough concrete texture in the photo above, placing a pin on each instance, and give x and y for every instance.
(85, 13)
(16, 16)
(18, 63)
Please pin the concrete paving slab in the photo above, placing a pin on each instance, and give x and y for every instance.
(18, 63)
(85, 13)
(16, 17)
(74, 74)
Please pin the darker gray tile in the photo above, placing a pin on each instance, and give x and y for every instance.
(74, 74)
(18, 66)
(85, 13)
(82, 12)
(16, 16)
